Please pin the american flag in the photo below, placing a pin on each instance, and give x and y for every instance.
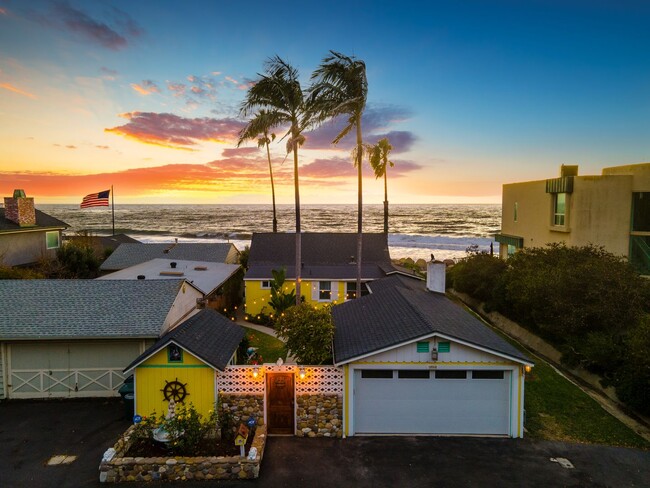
(96, 199)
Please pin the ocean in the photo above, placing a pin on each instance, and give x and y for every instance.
(416, 231)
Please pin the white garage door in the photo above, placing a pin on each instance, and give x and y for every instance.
(431, 402)
(68, 369)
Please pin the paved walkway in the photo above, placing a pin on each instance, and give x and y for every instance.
(239, 319)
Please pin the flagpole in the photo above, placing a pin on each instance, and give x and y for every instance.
(113, 207)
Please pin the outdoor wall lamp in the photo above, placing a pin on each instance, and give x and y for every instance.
(528, 368)
(256, 372)
(302, 373)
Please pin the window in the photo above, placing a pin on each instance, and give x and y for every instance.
(174, 354)
(324, 290)
(516, 210)
(422, 347)
(511, 250)
(377, 373)
(413, 374)
(487, 375)
(641, 211)
(559, 208)
(266, 285)
(444, 347)
(351, 290)
(52, 239)
(451, 375)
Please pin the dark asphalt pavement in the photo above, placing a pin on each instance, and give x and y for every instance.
(31, 432)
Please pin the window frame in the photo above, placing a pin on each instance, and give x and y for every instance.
(559, 218)
(266, 286)
(58, 239)
(169, 353)
(324, 292)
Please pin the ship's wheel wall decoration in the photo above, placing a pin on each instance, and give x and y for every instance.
(175, 390)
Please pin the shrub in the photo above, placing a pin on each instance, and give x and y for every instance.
(308, 333)
(477, 275)
(633, 379)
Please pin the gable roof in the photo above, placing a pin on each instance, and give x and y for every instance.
(399, 310)
(325, 255)
(130, 254)
(205, 276)
(43, 221)
(208, 335)
(82, 309)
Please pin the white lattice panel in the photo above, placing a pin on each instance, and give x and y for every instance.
(317, 380)
(240, 379)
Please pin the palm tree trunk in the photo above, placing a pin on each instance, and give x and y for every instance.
(275, 219)
(296, 187)
(385, 198)
(360, 211)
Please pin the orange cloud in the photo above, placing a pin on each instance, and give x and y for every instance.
(173, 131)
(3, 11)
(11, 88)
(147, 87)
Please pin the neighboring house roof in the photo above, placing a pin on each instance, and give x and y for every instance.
(325, 255)
(204, 275)
(78, 309)
(399, 310)
(104, 242)
(43, 221)
(130, 254)
(208, 335)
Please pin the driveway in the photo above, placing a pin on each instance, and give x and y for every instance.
(31, 432)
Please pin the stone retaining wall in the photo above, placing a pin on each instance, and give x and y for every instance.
(241, 407)
(319, 415)
(118, 468)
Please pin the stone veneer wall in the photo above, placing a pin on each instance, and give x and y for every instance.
(319, 415)
(243, 406)
(120, 468)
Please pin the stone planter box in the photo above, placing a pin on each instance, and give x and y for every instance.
(115, 468)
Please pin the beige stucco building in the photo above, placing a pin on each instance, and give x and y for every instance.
(610, 210)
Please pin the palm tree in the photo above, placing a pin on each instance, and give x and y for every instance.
(278, 92)
(258, 127)
(378, 156)
(341, 88)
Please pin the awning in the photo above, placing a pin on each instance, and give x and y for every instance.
(560, 185)
(516, 241)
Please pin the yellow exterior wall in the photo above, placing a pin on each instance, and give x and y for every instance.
(150, 379)
(257, 298)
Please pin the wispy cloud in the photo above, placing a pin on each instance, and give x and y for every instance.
(73, 20)
(107, 73)
(11, 88)
(147, 87)
(102, 147)
(173, 131)
(3, 11)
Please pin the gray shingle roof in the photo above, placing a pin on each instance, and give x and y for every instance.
(129, 254)
(42, 220)
(208, 335)
(399, 310)
(54, 309)
(326, 255)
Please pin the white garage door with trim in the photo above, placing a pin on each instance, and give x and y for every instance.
(68, 369)
(390, 401)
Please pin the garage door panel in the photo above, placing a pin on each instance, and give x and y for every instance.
(438, 406)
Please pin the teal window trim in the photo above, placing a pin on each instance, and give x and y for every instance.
(422, 346)
(444, 346)
(52, 239)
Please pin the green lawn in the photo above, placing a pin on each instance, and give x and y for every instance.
(558, 410)
(268, 346)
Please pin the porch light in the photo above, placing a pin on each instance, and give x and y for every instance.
(528, 368)
(302, 373)
(256, 372)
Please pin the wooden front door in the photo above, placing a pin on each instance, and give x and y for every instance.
(279, 407)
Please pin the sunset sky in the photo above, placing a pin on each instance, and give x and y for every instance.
(145, 96)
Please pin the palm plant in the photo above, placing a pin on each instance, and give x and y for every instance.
(341, 88)
(258, 128)
(278, 92)
(378, 156)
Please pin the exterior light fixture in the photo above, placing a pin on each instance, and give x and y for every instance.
(256, 372)
(528, 368)
(302, 373)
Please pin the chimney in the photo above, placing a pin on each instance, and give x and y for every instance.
(20, 209)
(436, 276)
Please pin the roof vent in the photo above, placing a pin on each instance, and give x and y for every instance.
(141, 277)
(173, 264)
